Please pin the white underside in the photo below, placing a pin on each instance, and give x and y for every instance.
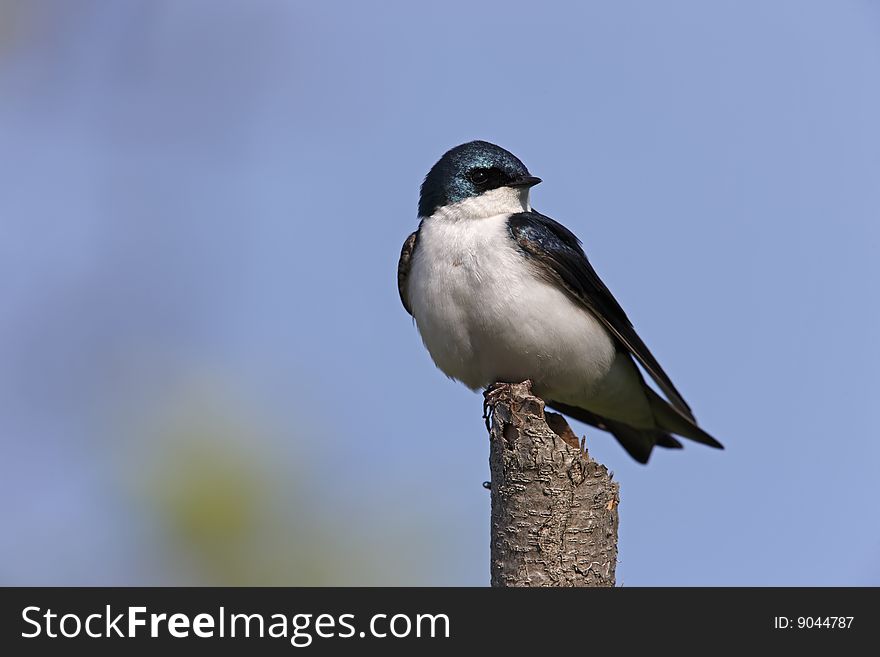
(485, 315)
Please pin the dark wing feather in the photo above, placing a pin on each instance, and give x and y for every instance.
(403, 265)
(559, 253)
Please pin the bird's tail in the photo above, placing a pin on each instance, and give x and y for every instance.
(671, 419)
(639, 443)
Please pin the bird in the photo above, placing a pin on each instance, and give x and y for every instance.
(501, 293)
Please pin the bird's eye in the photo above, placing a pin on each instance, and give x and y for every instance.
(479, 176)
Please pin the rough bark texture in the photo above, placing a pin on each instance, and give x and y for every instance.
(554, 509)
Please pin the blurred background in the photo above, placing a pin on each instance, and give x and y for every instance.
(208, 378)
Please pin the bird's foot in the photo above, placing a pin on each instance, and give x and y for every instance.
(491, 395)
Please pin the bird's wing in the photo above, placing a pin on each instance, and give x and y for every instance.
(403, 265)
(558, 254)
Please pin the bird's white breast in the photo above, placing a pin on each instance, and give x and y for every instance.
(485, 315)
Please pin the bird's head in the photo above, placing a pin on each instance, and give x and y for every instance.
(476, 180)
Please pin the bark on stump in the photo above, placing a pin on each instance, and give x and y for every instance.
(554, 509)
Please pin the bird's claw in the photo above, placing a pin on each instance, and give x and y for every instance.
(490, 398)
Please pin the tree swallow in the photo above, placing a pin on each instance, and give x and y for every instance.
(501, 293)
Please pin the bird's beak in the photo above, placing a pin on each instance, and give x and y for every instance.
(524, 181)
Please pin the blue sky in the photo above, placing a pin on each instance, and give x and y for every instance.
(218, 191)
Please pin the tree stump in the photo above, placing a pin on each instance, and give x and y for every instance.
(554, 509)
